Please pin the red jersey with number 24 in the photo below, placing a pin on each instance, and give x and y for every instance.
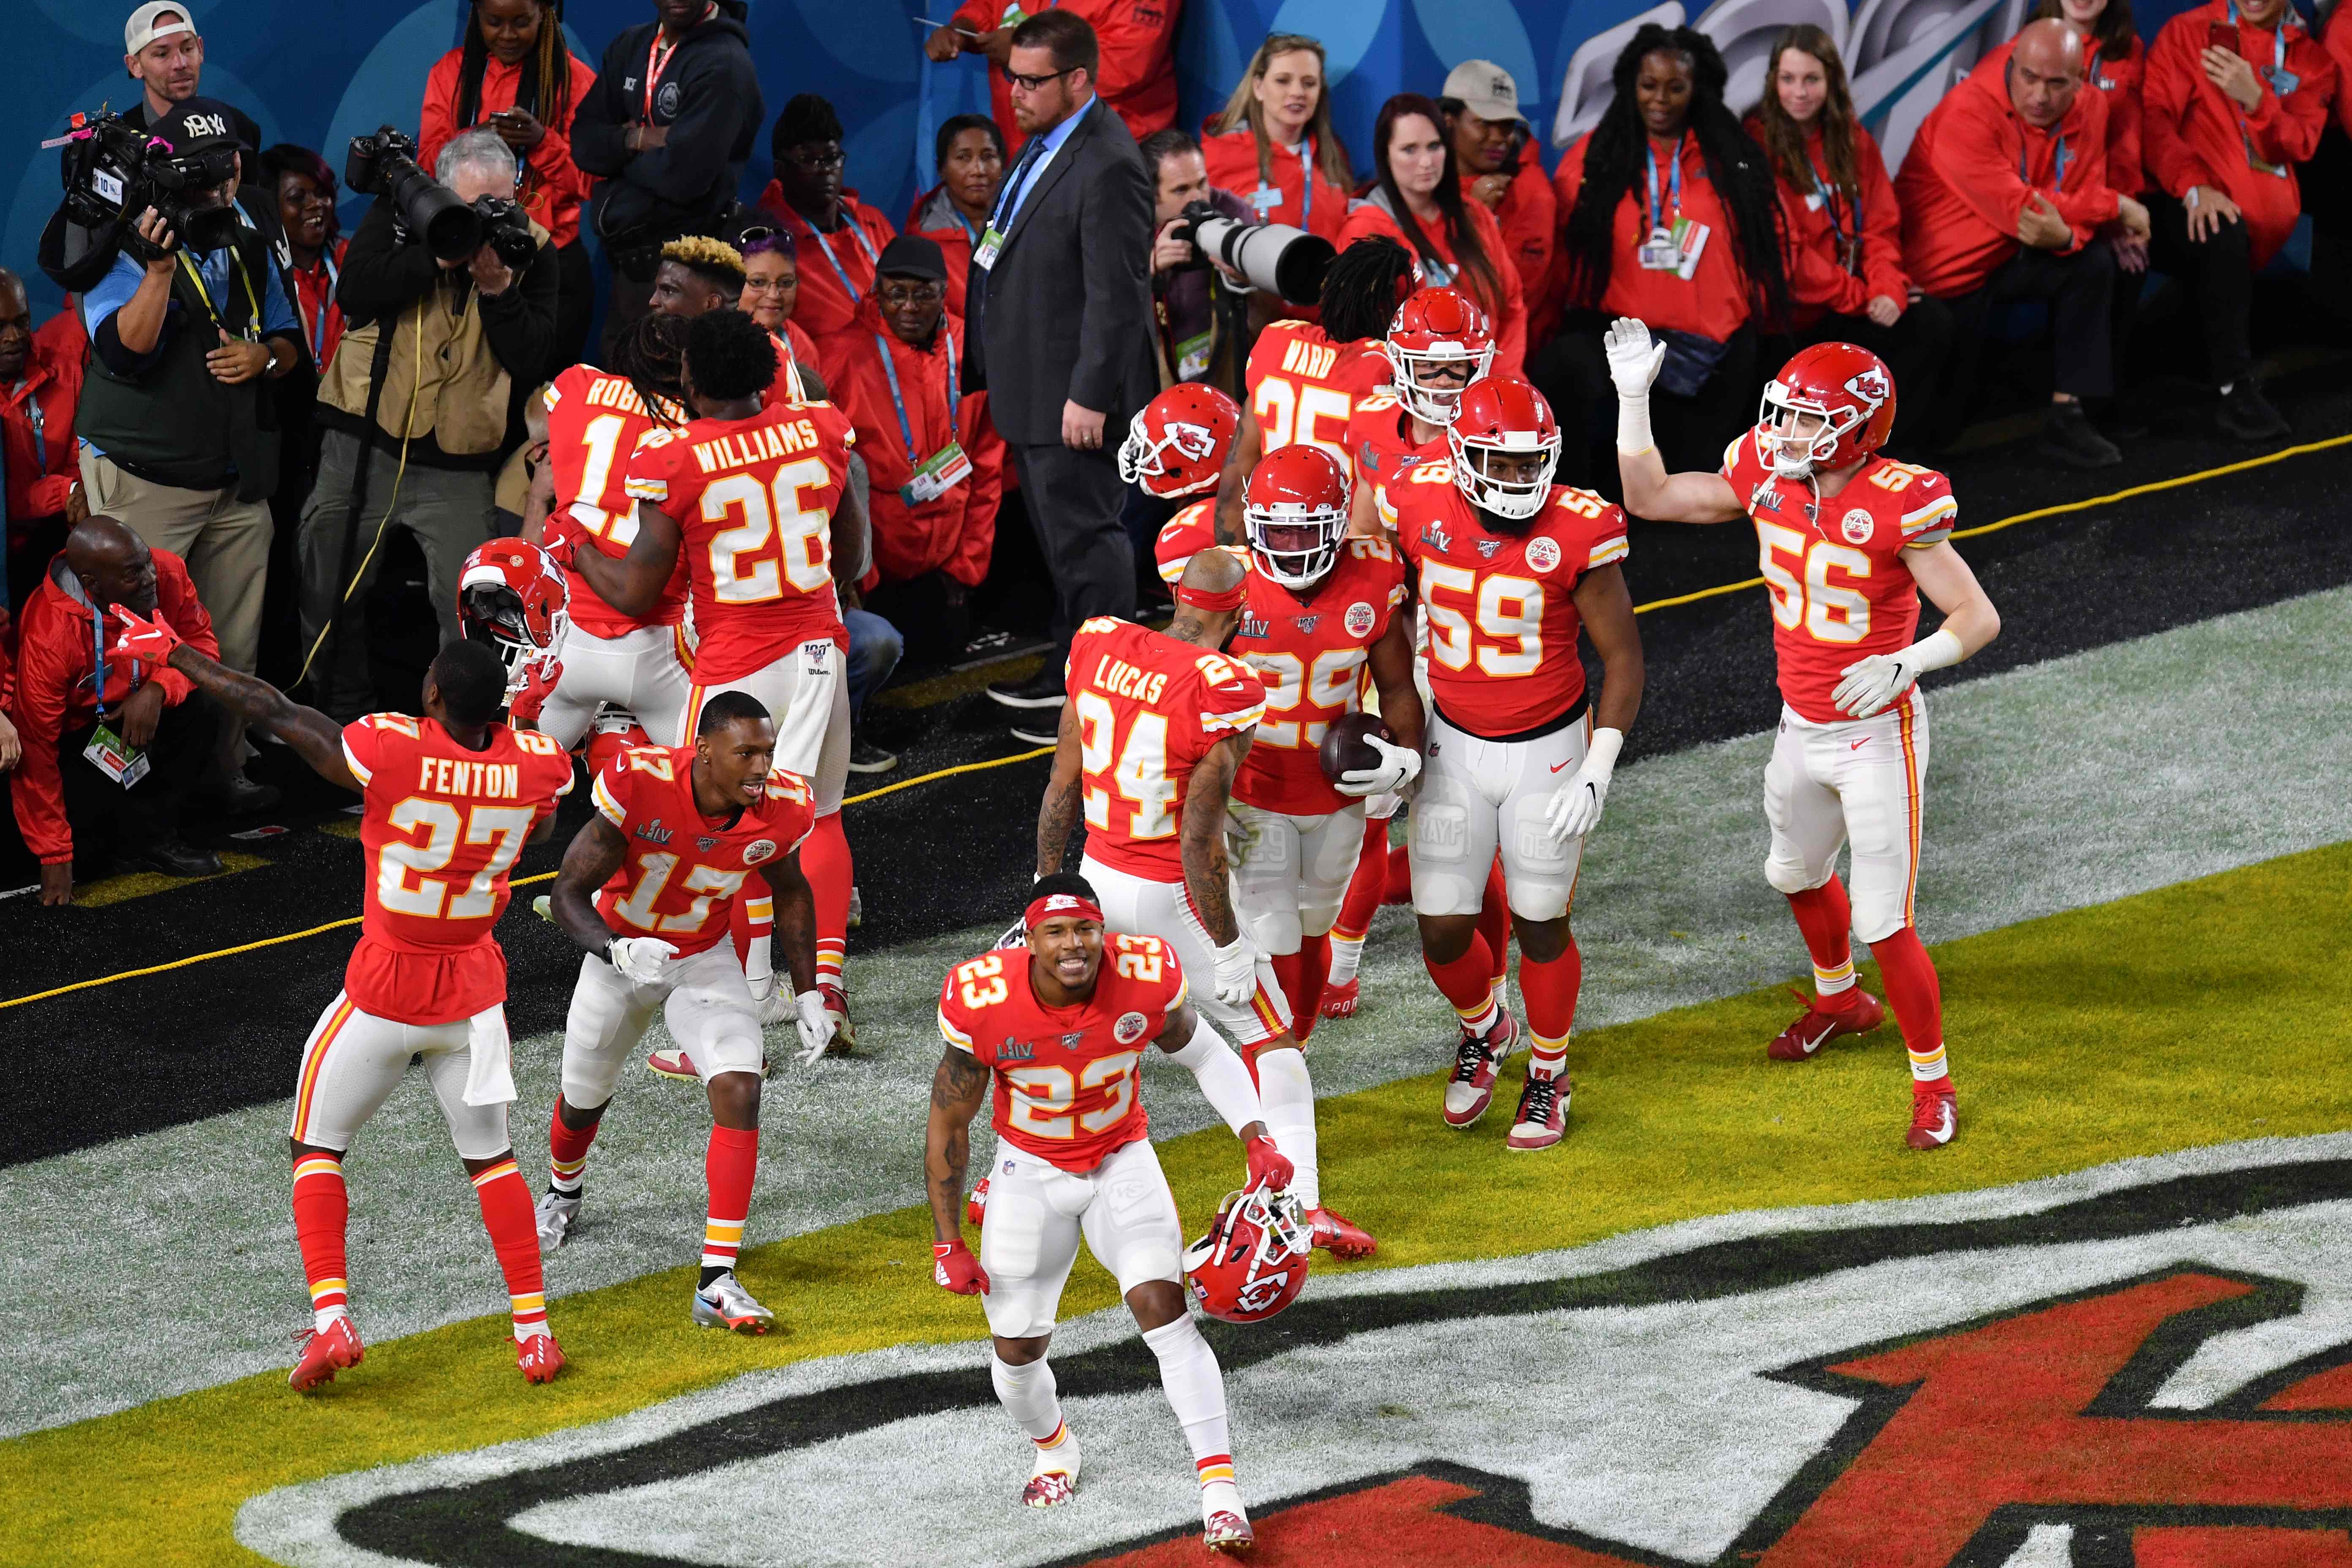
(441, 826)
(1310, 651)
(1840, 589)
(1067, 1077)
(681, 873)
(1148, 710)
(594, 419)
(755, 500)
(1501, 606)
(1302, 387)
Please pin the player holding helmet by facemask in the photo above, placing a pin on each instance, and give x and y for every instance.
(1849, 539)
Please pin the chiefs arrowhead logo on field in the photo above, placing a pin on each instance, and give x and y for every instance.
(1870, 386)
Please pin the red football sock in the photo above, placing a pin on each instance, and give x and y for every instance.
(322, 1212)
(729, 1167)
(1918, 998)
(1302, 982)
(567, 1154)
(514, 1233)
(1495, 925)
(1549, 991)
(1366, 887)
(1826, 918)
(825, 862)
(1400, 886)
(752, 921)
(1468, 984)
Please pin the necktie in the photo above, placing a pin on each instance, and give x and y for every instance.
(1035, 150)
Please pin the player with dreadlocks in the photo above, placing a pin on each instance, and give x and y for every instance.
(1673, 218)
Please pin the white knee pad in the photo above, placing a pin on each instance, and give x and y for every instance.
(1789, 874)
(1273, 931)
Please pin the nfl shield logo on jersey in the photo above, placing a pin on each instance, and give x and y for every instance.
(1543, 555)
(759, 849)
(1857, 526)
(1360, 619)
(1129, 1028)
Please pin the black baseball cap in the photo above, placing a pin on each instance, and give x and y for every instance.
(912, 256)
(196, 125)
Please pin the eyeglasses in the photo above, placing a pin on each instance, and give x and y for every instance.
(1027, 83)
(826, 159)
(910, 293)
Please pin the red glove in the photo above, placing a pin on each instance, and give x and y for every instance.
(1266, 1162)
(953, 1268)
(150, 641)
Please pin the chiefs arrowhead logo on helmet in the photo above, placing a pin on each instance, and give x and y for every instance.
(1176, 444)
(1870, 386)
(1252, 1262)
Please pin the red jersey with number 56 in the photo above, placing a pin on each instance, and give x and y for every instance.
(1310, 650)
(1303, 386)
(681, 873)
(1067, 1077)
(593, 421)
(1840, 589)
(755, 500)
(441, 826)
(1502, 612)
(1148, 708)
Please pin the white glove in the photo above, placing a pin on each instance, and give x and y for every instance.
(639, 958)
(1634, 364)
(1398, 767)
(1236, 977)
(1574, 809)
(1871, 683)
(815, 1028)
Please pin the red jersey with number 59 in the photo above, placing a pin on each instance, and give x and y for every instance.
(1303, 386)
(1310, 650)
(1148, 708)
(1067, 1077)
(755, 500)
(678, 879)
(441, 826)
(593, 421)
(1502, 615)
(1840, 589)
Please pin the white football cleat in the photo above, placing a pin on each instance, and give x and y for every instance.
(725, 1304)
(1054, 1479)
(774, 1003)
(556, 1215)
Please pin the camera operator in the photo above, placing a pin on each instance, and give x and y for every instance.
(162, 53)
(179, 437)
(1198, 327)
(425, 383)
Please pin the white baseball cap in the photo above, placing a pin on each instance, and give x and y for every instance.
(146, 26)
(1485, 88)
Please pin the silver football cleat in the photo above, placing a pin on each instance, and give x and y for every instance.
(725, 1304)
(556, 1215)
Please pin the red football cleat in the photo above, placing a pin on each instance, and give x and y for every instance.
(1340, 1001)
(1343, 1236)
(1543, 1119)
(1227, 1531)
(324, 1353)
(1934, 1119)
(672, 1063)
(975, 1208)
(1050, 1488)
(1803, 1039)
(1398, 888)
(539, 1357)
(1476, 1061)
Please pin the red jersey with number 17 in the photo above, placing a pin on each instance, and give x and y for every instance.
(594, 419)
(441, 826)
(1840, 590)
(754, 498)
(681, 873)
(1148, 710)
(1502, 614)
(1303, 386)
(1067, 1077)
(1310, 650)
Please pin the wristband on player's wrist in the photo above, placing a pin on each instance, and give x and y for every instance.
(1633, 436)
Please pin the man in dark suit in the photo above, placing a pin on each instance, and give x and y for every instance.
(1059, 304)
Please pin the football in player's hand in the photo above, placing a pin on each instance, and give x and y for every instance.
(1344, 748)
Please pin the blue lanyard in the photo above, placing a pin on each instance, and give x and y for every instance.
(1675, 179)
(897, 399)
(1828, 201)
(2059, 179)
(1306, 182)
(326, 302)
(40, 421)
(2278, 66)
(864, 244)
(98, 652)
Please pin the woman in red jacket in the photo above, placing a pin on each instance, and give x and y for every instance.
(1273, 144)
(1843, 234)
(953, 213)
(514, 74)
(1416, 200)
(1673, 218)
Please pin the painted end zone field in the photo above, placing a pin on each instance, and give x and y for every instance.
(2206, 1012)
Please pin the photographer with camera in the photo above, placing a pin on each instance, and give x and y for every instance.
(1201, 325)
(450, 293)
(179, 436)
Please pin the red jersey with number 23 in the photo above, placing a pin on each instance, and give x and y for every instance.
(1302, 387)
(594, 419)
(1148, 710)
(441, 826)
(1310, 651)
(1840, 589)
(1502, 612)
(754, 498)
(681, 873)
(1067, 1077)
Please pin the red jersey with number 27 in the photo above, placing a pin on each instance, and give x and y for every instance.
(1067, 1077)
(594, 419)
(1302, 387)
(1501, 607)
(681, 873)
(755, 500)
(1148, 710)
(1310, 650)
(441, 826)
(1840, 589)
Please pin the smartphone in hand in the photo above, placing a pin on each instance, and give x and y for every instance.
(2221, 35)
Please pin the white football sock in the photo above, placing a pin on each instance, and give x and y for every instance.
(323, 1316)
(759, 968)
(1196, 1390)
(1347, 951)
(1285, 1096)
(1029, 1395)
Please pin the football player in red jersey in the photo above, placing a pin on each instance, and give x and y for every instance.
(1062, 1033)
(1176, 446)
(747, 495)
(646, 890)
(1509, 566)
(1851, 759)
(448, 802)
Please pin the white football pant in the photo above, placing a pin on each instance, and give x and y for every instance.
(1290, 873)
(1164, 909)
(1864, 780)
(639, 670)
(1036, 1213)
(703, 998)
(807, 693)
(354, 1059)
(1478, 796)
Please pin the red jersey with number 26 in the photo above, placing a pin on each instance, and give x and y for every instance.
(1840, 590)
(1310, 652)
(1148, 710)
(1303, 386)
(441, 827)
(682, 871)
(1501, 606)
(754, 498)
(594, 419)
(1067, 1077)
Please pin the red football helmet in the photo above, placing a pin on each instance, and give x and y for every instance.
(1503, 414)
(513, 594)
(1437, 327)
(1176, 444)
(1848, 388)
(1295, 514)
(1252, 1262)
(613, 731)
